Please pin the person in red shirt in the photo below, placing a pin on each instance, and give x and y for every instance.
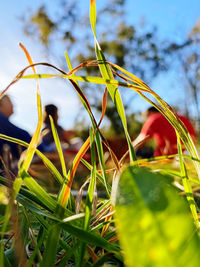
(162, 132)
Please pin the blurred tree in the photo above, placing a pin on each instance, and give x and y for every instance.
(190, 61)
(188, 56)
(138, 49)
(45, 25)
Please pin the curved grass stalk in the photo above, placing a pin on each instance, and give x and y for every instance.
(88, 79)
(23, 168)
(66, 188)
(165, 109)
(98, 141)
(169, 114)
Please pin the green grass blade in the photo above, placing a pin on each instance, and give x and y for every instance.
(99, 176)
(30, 151)
(59, 148)
(4, 261)
(35, 139)
(88, 237)
(36, 250)
(52, 242)
(30, 206)
(34, 187)
(89, 79)
(68, 61)
(85, 236)
(101, 161)
(107, 74)
(186, 183)
(89, 198)
(75, 80)
(115, 95)
(3, 229)
(45, 160)
(93, 16)
(31, 200)
(70, 65)
(91, 188)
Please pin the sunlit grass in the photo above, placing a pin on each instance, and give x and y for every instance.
(136, 221)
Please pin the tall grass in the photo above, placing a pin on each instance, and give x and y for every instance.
(143, 221)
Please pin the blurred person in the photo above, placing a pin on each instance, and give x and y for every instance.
(47, 135)
(158, 128)
(9, 129)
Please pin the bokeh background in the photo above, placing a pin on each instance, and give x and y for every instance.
(157, 40)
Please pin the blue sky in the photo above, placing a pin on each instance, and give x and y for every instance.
(172, 18)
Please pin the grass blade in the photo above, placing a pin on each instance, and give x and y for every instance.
(99, 176)
(92, 184)
(35, 139)
(186, 184)
(51, 247)
(88, 79)
(65, 191)
(59, 148)
(99, 144)
(101, 161)
(89, 238)
(107, 74)
(34, 187)
(89, 198)
(45, 160)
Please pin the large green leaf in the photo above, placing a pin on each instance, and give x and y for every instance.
(153, 221)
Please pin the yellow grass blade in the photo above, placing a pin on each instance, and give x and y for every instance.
(35, 139)
(27, 56)
(89, 79)
(64, 194)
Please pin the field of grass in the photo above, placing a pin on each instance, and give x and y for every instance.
(149, 213)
